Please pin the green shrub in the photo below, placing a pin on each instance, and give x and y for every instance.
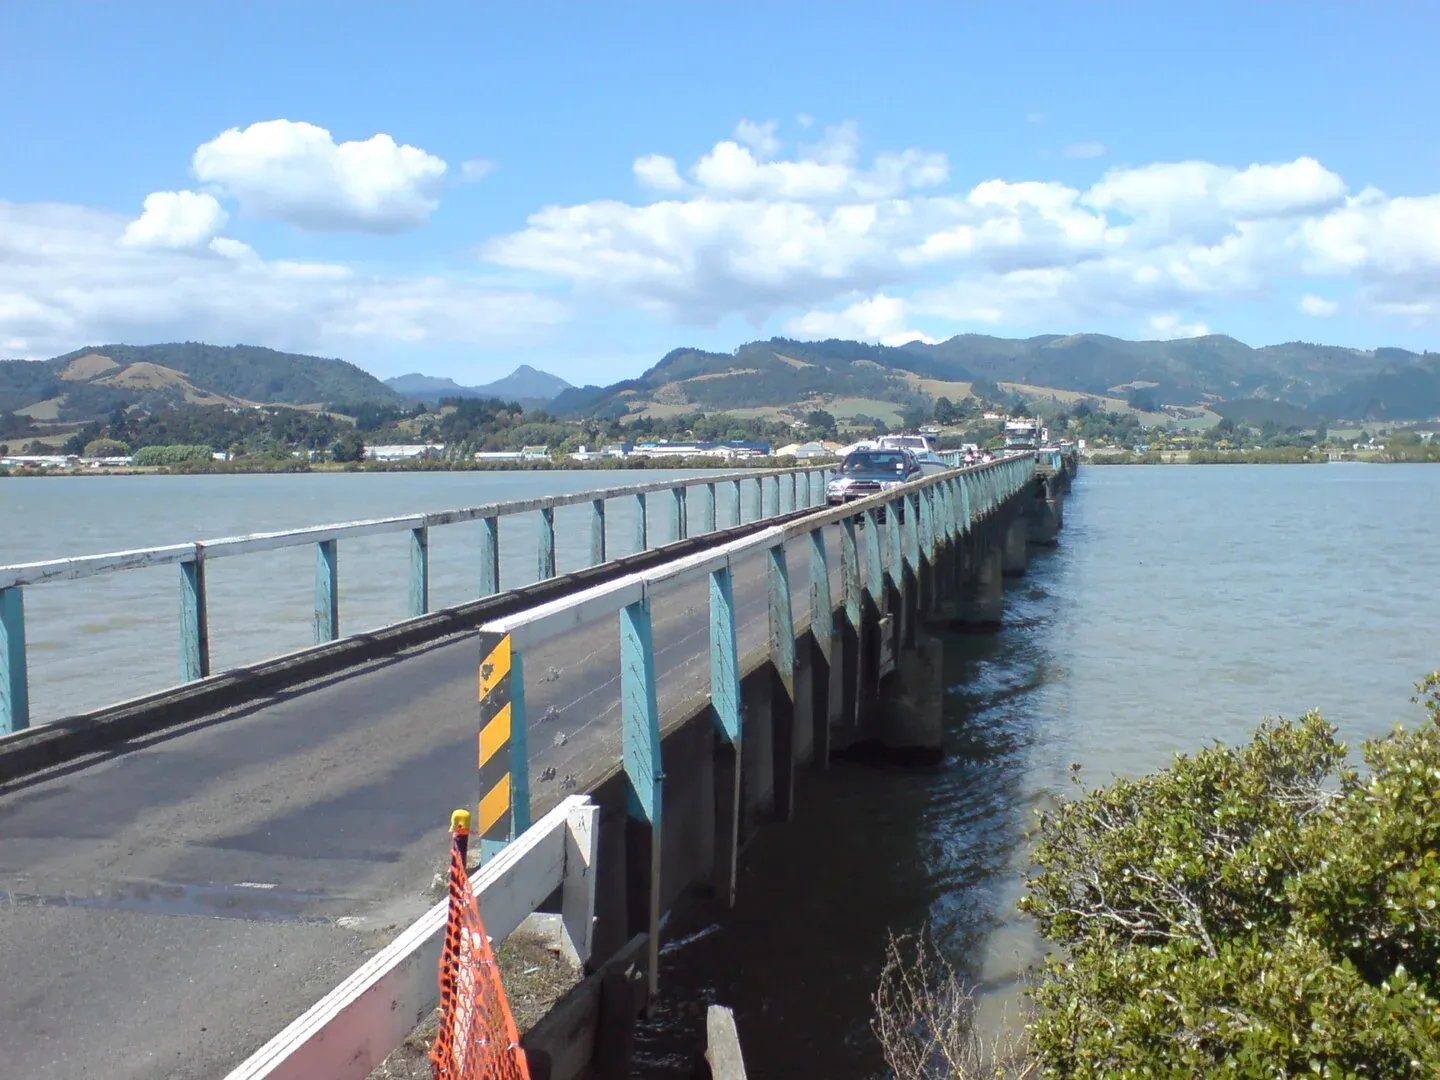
(173, 455)
(1260, 911)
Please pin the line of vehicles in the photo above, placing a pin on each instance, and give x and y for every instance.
(892, 460)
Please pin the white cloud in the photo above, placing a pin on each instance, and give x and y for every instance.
(813, 229)
(804, 119)
(758, 137)
(296, 172)
(476, 169)
(1169, 326)
(1318, 306)
(658, 173)
(1089, 149)
(175, 219)
(67, 277)
(878, 318)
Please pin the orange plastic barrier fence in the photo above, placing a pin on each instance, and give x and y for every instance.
(477, 1038)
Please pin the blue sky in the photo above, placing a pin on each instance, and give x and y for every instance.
(458, 188)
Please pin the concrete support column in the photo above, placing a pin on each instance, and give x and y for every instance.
(1017, 535)
(985, 605)
(910, 717)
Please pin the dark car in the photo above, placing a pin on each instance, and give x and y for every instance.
(866, 472)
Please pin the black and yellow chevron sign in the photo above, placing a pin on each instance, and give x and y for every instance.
(495, 817)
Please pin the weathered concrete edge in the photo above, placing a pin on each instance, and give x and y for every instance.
(44, 746)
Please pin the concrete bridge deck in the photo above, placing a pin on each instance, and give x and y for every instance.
(164, 911)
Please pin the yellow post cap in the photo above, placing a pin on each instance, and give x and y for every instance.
(460, 822)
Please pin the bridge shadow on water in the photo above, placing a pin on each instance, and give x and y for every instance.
(876, 849)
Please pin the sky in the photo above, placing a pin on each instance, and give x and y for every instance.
(458, 188)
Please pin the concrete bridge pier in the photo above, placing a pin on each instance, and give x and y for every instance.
(1015, 558)
(983, 606)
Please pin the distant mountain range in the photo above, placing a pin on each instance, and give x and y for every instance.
(1321, 379)
(91, 382)
(525, 384)
(848, 378)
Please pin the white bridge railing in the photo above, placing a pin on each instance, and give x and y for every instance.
(356, 1026)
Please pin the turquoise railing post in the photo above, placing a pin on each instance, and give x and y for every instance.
(850, 636)
(874, 565)
(727, 716)
(724, 657)
(489, 556)
(894, 534)
(791, 505)
(545, 550)
(194, 625)
(711, 509)
(14, 682)
(738, 503)
(642, 532)
(850, 571)
(419, 571)
(803, 479)
(782, 700)
(327, 591)
(597, 532)
(677, 513)
(822, 629)
(640, 746)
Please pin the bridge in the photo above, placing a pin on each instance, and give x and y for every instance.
(184, 874)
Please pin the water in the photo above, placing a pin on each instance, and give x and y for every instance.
(1182, 605)
(103, 639)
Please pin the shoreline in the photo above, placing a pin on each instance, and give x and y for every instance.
(330, 468)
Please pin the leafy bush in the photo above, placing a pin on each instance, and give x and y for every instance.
(1258, 911)
(180, 454)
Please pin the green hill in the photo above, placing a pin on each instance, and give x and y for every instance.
(91, 382)
(788, 374)
(1406, 390)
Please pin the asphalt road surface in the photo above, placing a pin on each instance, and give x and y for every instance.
(165, 910)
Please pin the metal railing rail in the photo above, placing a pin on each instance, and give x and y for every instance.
(778, 491)
(939, 508)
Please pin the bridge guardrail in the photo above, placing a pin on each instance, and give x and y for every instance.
(353, 1028)
(939, 508)
(799, 486)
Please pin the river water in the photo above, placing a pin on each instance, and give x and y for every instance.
(1181, 605)
(103, 639)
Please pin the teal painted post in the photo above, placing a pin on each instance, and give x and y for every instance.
(822, 629)
(545, 553)
(874, 565)
(911, 533)
(597, 532)
(967, 509)
(782, 696)
(822, 607)
(194, 629)
(849, 657)
(14, 681)
(642, 537)
(327, 591)
(850, 571)
(419, 571)
(728, 717)
(804, 481)
(893, 533)
(712, 509)
(640, 749)
(640, 714)
(677, 513)
(724, 657)
(927, 522)
(489, 556)
(790, 491)
(735, 498)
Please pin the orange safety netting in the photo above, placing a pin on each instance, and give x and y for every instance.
(477, 1038)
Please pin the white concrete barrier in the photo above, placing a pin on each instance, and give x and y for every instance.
(356, 1026)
